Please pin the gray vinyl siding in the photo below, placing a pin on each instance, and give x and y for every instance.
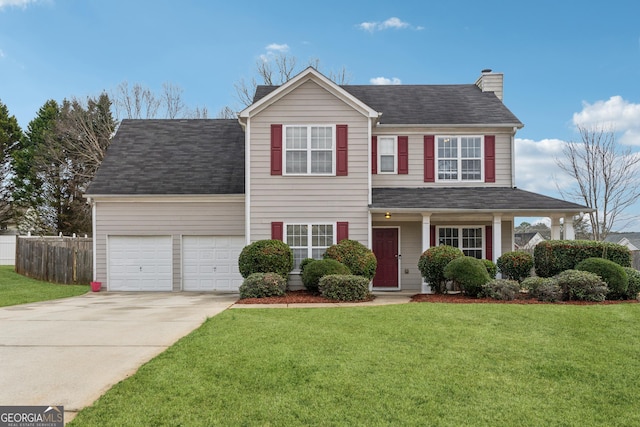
(176, 219)
(415, 177)
(309, 199)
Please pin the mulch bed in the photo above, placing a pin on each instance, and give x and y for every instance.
(458, 298)
(294, 297)
(306, 297)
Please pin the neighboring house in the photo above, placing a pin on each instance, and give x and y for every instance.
(630, 240)
(525, 241)
(399, 168)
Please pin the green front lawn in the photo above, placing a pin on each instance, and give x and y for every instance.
(16, 289)
(413, 364)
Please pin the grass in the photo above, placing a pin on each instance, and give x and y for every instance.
(16, 289)
(413, 364)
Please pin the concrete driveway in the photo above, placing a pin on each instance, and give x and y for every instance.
(70, 351)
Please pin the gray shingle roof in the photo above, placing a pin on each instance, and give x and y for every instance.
(469, 198)
(463, 104)
(148, 157)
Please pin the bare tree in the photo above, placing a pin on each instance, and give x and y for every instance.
(172, 97)
(605, 174)
(139, 102)
(226, 113)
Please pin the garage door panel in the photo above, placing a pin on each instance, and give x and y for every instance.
(210, 263)
(140, 263)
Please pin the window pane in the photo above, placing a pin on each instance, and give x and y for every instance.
(470, 148)
(447, 147)
(448, 169)
(298, 256)
(296, 137)
(448, 236)
(296, 162)
(471, 170)
(386, 146)
(321, 138)
(321, 162)
(297, 235)
(387, 164)
(322, 235)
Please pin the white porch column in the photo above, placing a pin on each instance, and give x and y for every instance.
(497, 237)
(569, 231)
(426, 243)
(555, 228)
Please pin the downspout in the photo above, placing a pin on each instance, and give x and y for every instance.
(513, 157)
(247, 181)
(94, 228)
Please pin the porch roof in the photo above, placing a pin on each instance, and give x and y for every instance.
(470, 199)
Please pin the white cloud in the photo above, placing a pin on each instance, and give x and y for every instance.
(2, 55)
(536, 168)
(275, 47)
(16, 3)
(385, 81)
(391, 23)
(615, 113)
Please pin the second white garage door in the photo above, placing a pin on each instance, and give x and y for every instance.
(139, 263)
(210, 263)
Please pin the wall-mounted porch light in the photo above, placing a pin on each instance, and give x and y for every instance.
(387, 215)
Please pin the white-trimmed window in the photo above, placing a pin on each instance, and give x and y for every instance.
(468, 239)
(309, 150)
(387, 154)
(309, 240)
(459, 158)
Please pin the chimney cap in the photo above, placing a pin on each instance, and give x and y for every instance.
(486, 70)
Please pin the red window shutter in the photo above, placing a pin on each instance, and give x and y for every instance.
(429, 159)
(276, 149)
(489, 158)
(403, 155)
(342, 135)
(432, 235)
(343, 231)
(277, 231)
(374, 155)
(489, 242)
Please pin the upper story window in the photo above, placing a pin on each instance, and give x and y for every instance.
(459, 158)
(387, 154)
(309, 150)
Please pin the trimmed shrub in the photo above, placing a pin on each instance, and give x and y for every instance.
(548, 290)
(304, 263)
(469, 272)
(634, 283)
(581, 286)
(491, 267)
(611, 273)
(261, 285)
(315, 270)
(266, 256)
(432, 263)
(555, 256)
(501, 289)
(515, 265)
(360, 259)
(532, 283)
(344, 287)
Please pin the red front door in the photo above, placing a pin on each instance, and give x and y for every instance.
(385, 247)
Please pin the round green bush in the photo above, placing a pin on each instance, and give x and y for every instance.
(581, 286)
(344, 287)
(266, 256)
(515, 265)
(548, 290)
(315, 270)
(532, 283)
(469, 272)
(501, 289)
(360, 259)
(261, 285)
(304, 263)
(611, 273)
(432, 263)
(633, 290)
(491, 267)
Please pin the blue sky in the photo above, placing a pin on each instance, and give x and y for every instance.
(562, 61)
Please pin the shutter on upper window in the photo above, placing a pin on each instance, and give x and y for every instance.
(343, 231)
(429, 159)
(342, 164)
(488, 238)
(276, 149)
(489, 158)
(374, 154)
(403, 155)
(277, 231)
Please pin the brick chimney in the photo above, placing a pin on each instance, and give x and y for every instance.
(491, 82)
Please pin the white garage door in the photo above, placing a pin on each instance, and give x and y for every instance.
(140, 263)
(210, 263)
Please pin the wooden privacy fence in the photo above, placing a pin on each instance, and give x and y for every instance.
(67, 260)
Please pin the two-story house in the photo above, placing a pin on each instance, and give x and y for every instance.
(399, 168)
